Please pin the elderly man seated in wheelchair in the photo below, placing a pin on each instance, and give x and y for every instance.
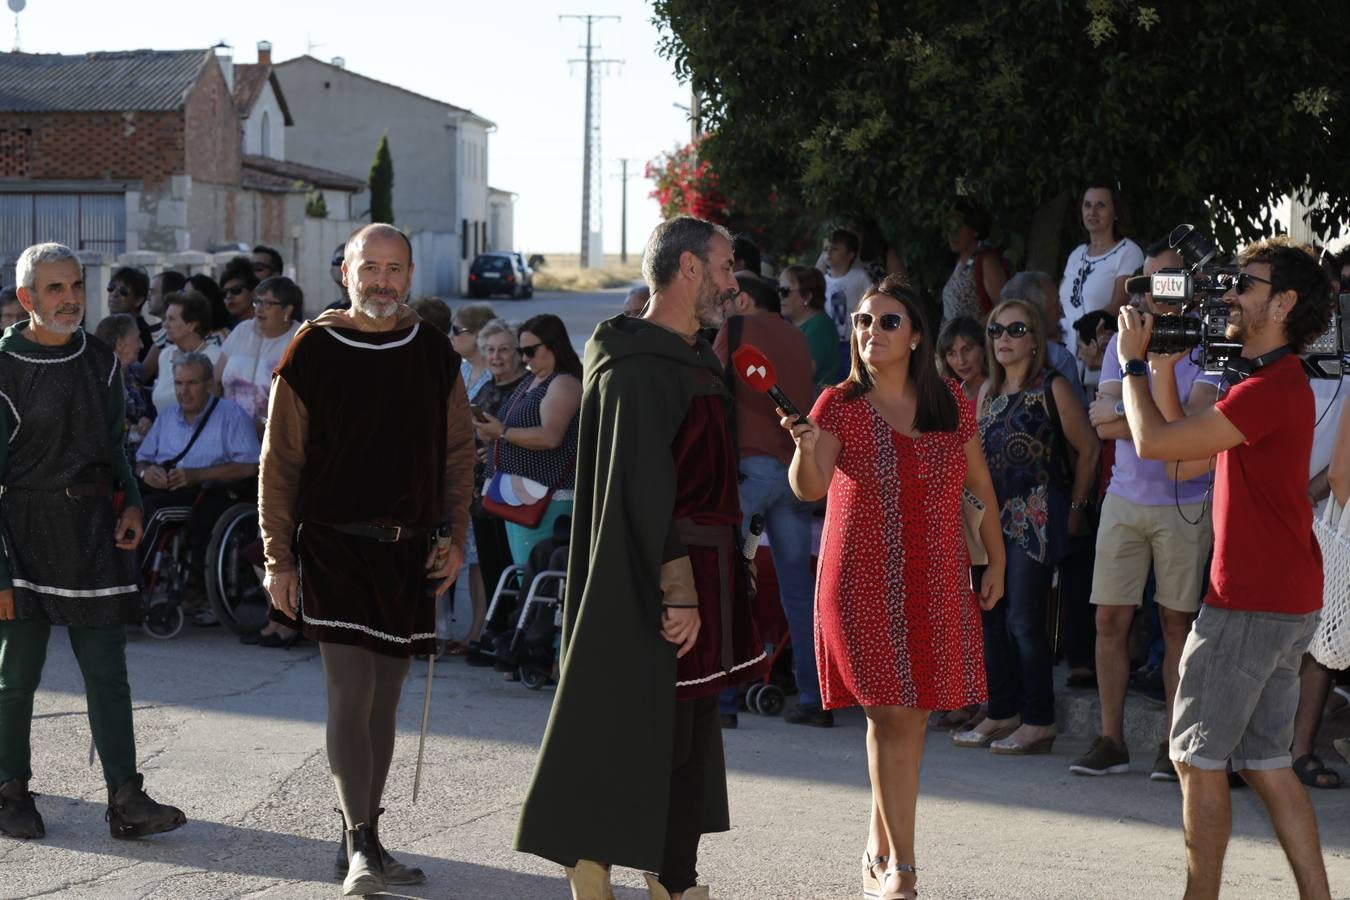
(199, 458)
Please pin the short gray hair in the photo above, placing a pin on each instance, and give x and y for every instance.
(493, 327)
(1028, 286)
(673, 237)
(200, 360)
(25, 270)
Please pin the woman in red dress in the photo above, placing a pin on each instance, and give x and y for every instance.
(897, 624)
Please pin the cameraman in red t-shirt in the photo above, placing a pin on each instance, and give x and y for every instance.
(1239, 670)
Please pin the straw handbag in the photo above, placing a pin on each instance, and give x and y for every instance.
(1331, 644)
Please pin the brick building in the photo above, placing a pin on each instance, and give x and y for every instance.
(149, 150)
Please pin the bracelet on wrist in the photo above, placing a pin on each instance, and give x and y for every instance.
(1077, 505)
(680, 605)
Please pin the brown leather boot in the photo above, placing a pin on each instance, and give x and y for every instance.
(590, 881)
(657, 891)
(365, 871)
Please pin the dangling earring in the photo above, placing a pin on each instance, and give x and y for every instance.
(913, 347)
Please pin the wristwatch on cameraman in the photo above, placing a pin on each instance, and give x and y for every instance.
(1120, 409)
(1135, 367)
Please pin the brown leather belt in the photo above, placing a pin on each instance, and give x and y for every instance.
(385, 534)
(723, 537)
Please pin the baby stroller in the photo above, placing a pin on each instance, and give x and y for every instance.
(766, 696)
(524, 618)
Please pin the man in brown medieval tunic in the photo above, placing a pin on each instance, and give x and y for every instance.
(656, 616)
(367, 470)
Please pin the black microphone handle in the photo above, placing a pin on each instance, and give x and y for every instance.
(785, 404)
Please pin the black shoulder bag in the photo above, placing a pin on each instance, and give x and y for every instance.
(169, 464)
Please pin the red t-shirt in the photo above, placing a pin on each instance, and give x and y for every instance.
(758, 432)
(1266, 558)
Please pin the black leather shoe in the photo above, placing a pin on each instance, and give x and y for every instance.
(132, 814)
(809, 715)
(395, 872)
(19, 817)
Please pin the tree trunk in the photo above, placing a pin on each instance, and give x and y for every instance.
(1043, 247)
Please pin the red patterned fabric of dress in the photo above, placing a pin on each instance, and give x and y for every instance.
(896, 621)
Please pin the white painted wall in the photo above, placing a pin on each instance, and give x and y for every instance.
(440, 158)
(501, 221)
(267, 107)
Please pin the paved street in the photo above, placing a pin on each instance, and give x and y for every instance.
(235, 735)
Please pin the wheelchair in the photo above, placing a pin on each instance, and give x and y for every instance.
(526, 613)
(232, 572)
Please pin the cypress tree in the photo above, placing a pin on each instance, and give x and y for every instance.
(381, 182)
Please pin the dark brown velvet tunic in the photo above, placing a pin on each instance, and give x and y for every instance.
(375, 451)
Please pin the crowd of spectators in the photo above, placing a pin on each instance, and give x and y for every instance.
(1106, 555)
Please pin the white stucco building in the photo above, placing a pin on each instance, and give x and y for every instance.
(439, 151)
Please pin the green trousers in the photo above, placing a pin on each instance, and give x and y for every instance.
(102, 655)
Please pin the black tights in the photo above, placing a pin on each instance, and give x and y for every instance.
(363, 692)
(697, 745)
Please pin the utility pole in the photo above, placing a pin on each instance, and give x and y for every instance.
(590, 155)
(623, 217)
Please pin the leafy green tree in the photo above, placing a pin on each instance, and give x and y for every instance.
(381, 181)
(882, 112)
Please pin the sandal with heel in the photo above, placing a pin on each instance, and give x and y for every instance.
(910, 893)
(874, 868)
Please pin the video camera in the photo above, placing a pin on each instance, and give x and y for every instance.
(1203, 322)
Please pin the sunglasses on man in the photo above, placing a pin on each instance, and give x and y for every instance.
(888, 321)
(235, 291)
(1243, 281)
(457, 330)
(1014, 329)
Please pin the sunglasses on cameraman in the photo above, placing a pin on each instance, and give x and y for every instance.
(1241, 282)
(888, 321)
(1014, 329)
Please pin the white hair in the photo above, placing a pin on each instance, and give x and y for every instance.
(25, 270)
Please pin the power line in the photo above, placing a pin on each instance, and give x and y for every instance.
(623, 216)
(591, 164)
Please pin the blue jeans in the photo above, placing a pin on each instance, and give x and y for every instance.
(1017, 660)
(787, 523)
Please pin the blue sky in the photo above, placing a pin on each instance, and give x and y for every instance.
(506, 60)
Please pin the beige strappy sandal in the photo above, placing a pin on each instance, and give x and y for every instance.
(904, 893)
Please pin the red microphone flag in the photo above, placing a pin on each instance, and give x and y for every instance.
(754, 368)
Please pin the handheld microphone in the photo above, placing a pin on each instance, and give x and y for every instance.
(754, 369)
(751, 545)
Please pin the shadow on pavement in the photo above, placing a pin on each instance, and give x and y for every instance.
(278, 859)
(210, 672)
